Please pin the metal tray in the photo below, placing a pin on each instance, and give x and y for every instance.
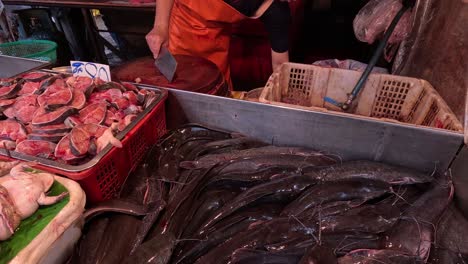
(95, 159)
(13, 66)
(352, 138)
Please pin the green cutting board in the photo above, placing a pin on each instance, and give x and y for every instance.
(32, 226)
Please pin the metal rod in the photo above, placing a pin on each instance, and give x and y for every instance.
(378, 52)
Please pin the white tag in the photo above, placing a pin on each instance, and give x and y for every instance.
(91, 69)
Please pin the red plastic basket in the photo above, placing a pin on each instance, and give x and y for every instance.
(105, 179)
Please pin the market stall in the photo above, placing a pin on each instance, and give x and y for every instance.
(322, 165)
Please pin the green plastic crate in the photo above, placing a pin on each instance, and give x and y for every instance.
(44, 50)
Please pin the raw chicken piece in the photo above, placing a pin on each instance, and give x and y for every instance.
(9, 219)
(27, 187)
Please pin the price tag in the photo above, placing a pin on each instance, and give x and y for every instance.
(91, 69)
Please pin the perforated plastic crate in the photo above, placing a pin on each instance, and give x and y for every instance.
(390, 97)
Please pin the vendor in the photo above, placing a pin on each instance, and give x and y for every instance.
(202, 27)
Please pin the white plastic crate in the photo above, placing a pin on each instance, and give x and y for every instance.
(390, 97)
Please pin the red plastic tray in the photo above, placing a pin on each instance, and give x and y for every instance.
(105, 179)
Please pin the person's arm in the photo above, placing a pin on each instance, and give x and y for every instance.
(277, 20)
(278, 58)
(159, 35)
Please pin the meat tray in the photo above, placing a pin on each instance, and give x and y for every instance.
(103, 175)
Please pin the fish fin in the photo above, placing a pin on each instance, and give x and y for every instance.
(189, 165)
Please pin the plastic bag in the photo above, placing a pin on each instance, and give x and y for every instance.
(349, 65)
(376, 16)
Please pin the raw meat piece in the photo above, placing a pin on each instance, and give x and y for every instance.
(131, 96)
(80, 141)
(79, 99)
(72, 121)
(55, 96)
(11, 91)
(63, 151)
(47, 137)
(23, 109)
(108, 138)
(82, 137)
(7, 144)
(111, 85)
(93, 114)
(84, 84)
(110, 118)
(47, 83)
(130, 87)
(133, 110)
(4, 104)
(12, 130)
(29, 88)
(52, 129)
(44, 118)
(36, 148)
(120, 103)
(36, 76)
(108, 95)
(126, 121)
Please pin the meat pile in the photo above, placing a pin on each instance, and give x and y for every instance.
(66, 118)
(22, 191)
(233, 199)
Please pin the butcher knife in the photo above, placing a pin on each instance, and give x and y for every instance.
(166, 64)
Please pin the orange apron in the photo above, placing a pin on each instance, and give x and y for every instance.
(203, 28)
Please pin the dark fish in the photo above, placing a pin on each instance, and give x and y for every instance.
(209, 203)
(255, 256)
(283, 189)
(155, 251)
(369, 170)
(211, 160)
(452, 231)
(116, 206)
(319, 255)
(154, 198)
(414, 233)
(364, 219)
(180, 200)
(228, 145)
(120, 234)
(255, 164)
(371, 256)
(262, 233)
(244, 180)
(225, 230)
(357, 191)
(90, 241)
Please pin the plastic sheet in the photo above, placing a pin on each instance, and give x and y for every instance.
(349, 65)
(374, 19)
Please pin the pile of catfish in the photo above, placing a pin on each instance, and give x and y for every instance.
(217, 197)
(66, 118)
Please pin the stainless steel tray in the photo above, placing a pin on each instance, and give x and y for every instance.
(78, 168)
(13, 66)
(352, 138)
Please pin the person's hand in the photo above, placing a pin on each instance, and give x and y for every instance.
(158, 37)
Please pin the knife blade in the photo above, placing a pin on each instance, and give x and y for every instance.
(166, 64)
